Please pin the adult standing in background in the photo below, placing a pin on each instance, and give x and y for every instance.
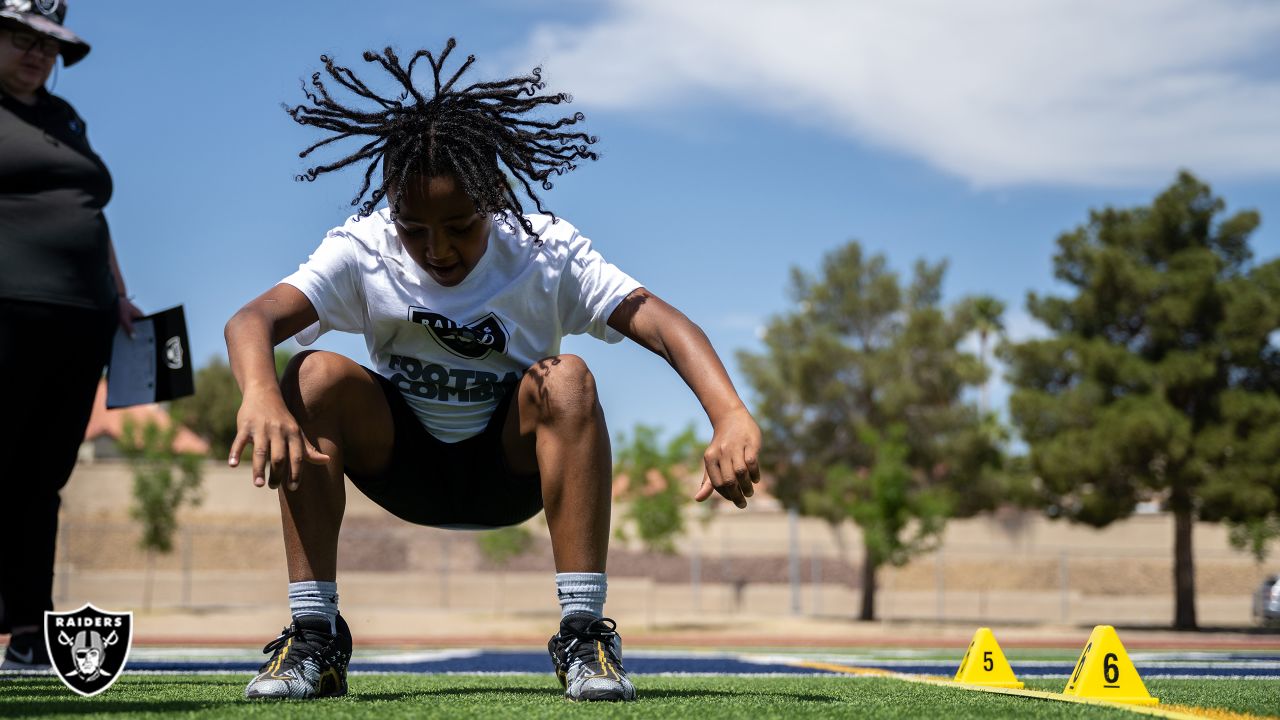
(61, 299)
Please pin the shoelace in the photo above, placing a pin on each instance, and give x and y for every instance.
(604, 630)
(306, 635)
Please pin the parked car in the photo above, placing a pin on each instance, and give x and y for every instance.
(1266, 602)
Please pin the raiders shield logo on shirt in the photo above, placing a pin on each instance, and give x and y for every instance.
(88, 647)
(473, 341)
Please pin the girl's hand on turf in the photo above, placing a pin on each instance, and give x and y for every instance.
(268, 425)
(731, 460)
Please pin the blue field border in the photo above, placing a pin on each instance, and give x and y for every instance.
(651, 662)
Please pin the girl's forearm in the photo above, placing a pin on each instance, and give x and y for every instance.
(250, 348)
(690, 353)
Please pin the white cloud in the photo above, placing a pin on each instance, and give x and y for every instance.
(1093, 92)
(1020, 326)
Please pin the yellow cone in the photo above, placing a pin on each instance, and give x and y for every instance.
(984, 663)
(1104, 672)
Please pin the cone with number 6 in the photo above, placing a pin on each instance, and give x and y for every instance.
(1104, 672)
(984, 663)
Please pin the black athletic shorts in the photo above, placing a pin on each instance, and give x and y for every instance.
(464, 484)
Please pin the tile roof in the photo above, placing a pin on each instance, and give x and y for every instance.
(111, 423)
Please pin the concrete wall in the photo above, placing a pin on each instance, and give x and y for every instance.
(1014, 567)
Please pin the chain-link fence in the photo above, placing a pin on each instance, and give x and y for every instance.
(760, 564)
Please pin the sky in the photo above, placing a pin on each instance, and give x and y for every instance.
(738, 139)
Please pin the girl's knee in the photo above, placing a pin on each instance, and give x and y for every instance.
(313, 378)
(560, 388)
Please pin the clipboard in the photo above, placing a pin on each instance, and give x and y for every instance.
(152, 366)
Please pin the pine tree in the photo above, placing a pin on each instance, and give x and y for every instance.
(859, 396)
(1159, 382)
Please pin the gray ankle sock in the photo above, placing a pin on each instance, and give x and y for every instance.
(581, 593)
(315, 597)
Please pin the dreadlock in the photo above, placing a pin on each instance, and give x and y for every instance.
(464, 133)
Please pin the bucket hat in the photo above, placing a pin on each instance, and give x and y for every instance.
(45, 17)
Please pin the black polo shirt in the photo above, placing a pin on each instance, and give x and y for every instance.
(54, 241)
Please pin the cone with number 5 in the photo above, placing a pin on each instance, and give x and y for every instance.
(984, 663)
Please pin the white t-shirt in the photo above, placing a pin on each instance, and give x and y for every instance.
(454, 351)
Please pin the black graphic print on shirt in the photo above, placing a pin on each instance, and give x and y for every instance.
(473, 341)
(431, 381)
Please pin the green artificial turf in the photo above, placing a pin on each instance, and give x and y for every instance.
(1256, 697)
(471, 696)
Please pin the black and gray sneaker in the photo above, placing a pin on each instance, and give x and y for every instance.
(308, 661)
(26, 651)
(587, 653)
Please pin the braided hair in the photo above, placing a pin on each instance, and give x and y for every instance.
(465, 133)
